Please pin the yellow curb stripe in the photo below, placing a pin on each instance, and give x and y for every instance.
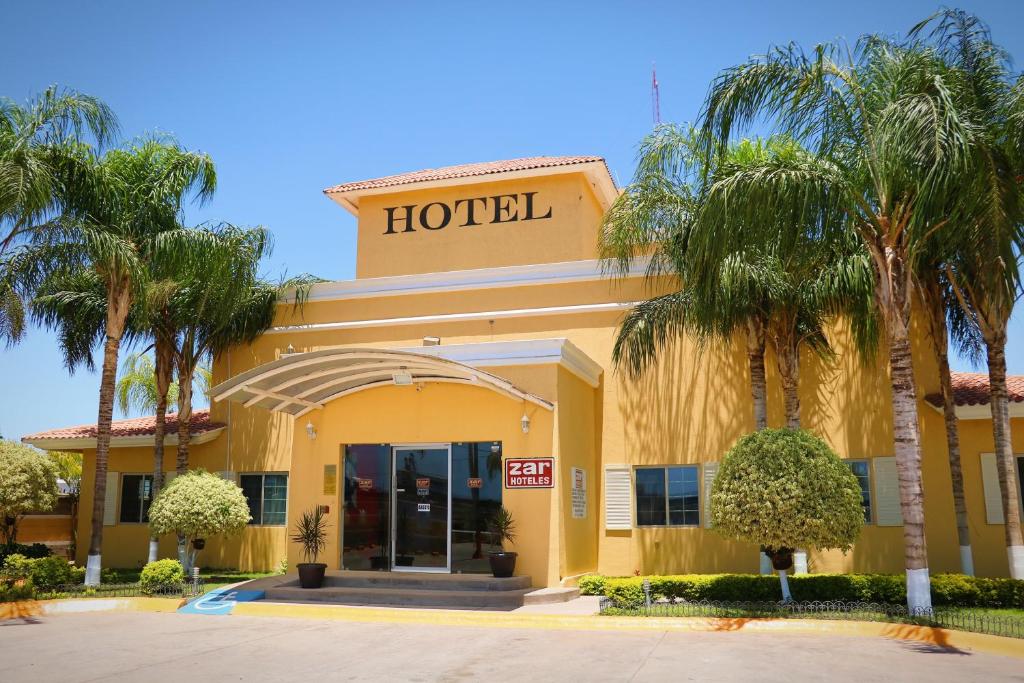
(960, 640)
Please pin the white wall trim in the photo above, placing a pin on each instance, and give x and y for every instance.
(981, 411)
(459, 280)
(519, 352)
(456, 317)
(119, 441)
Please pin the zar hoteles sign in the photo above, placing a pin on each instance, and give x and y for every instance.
(529, 473)
(466, 212)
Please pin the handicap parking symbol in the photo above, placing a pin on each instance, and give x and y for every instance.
(220, 601)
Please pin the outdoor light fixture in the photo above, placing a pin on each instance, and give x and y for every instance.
(525, 422)
(290, 349)
(431, 341)
(310, 431)
(402, 379)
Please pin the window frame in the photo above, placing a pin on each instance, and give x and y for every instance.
(120, 498)
(870, 519)
(262, 476)
(668, 514)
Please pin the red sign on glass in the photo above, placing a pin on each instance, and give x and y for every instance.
(423, 483)
(530, 473)
(365, 484)
(474, 482)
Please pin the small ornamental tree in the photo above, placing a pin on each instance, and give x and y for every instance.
(786, 489)
(28, 483)
(197, 505)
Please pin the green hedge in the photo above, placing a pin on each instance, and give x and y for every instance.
(947, 589)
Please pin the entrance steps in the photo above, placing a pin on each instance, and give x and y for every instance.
(398, 589)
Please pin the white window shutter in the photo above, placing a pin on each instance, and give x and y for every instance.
(618, 497)
(887, 493)
(990, 484)
(710, 470)
(110, 499)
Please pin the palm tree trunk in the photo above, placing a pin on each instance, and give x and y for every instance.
(940, 344)
(185, 374)
(995, 345)
(118, 302)
(788, 355)
(758, 380)
(163, 370)
(908, 467)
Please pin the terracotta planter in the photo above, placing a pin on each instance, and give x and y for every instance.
(782, 559)
(311, 575)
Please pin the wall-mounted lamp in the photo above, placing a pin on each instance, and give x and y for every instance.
(290, 349)
(525, 422)
(310, 431)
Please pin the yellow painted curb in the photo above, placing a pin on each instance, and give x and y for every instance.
(960, 640)
(22, 609)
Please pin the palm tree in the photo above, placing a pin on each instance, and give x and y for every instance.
(652, 219)
(984, 270)
(889, 147)
(119, 210)
(34, 137)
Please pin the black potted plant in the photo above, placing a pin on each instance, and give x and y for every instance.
(311, 534)
(503, 564)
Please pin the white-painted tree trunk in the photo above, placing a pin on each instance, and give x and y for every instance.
(800, 562)
(786, 595)
(967, 560)
(766, 564)
(92, 570)
(183, 554)
(919, 595)
(1015, 554)
(154, 550)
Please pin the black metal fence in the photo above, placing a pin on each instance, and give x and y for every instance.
(964, 619)
(189, 589)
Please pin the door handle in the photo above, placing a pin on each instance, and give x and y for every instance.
(399, 490)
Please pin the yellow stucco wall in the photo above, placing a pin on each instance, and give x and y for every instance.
(688, 410)
(565, 236)
(257, 548)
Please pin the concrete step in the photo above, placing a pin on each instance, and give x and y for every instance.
(425, 581)
(547, 596)
(401, 597)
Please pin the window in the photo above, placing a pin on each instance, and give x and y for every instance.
(267, 495)
(860, 470)
(667, 496)
(136, 495)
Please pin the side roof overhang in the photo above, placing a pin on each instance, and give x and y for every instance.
(300, 382)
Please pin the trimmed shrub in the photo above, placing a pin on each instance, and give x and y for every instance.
(33, 551)
(50, 572)
(591, 584)
(161, 575)
(947, 589)
(785, 489)
(16, 567)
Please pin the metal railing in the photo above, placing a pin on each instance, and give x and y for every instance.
(960, 618)
(188, 589)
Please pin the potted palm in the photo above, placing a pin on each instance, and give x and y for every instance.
(503, 563)
(311, 534)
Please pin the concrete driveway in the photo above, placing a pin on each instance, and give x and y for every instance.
(179, 647)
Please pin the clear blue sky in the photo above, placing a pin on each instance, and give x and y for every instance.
(291, 97)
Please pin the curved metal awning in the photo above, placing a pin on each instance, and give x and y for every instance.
(300, 382)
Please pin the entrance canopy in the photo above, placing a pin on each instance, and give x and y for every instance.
(300, 382)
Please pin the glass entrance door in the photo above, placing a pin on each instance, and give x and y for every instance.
(422, 508)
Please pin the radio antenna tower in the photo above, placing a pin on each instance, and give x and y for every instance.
(655, 96)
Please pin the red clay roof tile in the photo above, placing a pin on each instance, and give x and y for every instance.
(136, 426)
(971, 389)
(462, 171)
